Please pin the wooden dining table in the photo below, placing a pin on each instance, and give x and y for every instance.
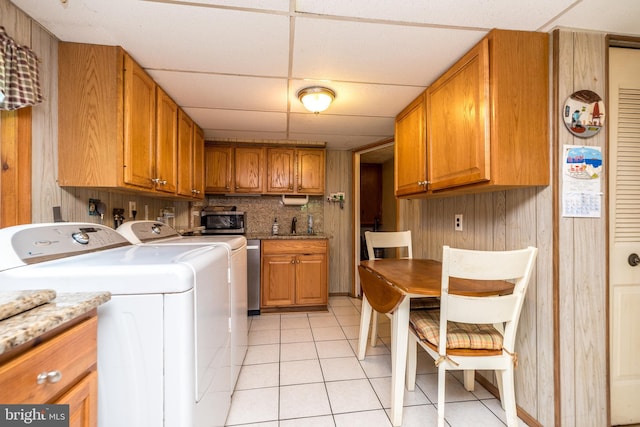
(388, 286)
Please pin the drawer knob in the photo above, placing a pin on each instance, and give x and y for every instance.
(51, 377)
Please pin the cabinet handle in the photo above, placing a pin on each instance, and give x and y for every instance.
(163, 182)
(155, 180)
(50, 377)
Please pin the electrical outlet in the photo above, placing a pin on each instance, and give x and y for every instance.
(458, 222)
(132, 207)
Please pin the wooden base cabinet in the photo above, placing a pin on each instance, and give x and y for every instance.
(68, 362)
(294, 274)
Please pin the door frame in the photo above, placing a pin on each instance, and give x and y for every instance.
(355, 206)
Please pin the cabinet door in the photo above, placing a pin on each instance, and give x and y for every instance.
(458, 122)
(278, 280)
(217, 169)
(167, 143)
(185, 154)
(311, 279)
(197, 178)
(280, 170)
(83, 402)
(310, 171)
(139, 125)
(410, 149)
(249, 170)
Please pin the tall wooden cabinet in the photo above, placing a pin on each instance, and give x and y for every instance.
(294, 274)
(487, 121)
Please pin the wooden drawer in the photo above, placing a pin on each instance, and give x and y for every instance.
(297, 247)
(72, 353)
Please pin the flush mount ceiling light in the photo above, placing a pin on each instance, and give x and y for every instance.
(316, 98)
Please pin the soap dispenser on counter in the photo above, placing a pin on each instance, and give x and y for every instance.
(275, 227)
(310, 224)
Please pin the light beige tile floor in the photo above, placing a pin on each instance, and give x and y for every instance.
(301, 370)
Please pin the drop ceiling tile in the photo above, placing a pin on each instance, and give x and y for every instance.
(206, 39)
(274, 5)
(529, 15)
(238, 120)
(241, 135)
(223, 91)
(341, 125)
(598, 15)
(359, 99)
(376, 53)
(339, 142)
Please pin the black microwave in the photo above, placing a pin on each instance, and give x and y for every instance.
(222, 222)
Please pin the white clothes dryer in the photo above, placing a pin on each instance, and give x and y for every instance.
(163, 338)
(157, 233)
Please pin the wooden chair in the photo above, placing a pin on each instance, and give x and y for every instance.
(401, 240)
(470, 333)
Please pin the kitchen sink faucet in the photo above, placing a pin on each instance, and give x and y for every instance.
(293, 225)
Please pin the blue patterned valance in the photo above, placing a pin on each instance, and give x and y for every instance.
(19, 78)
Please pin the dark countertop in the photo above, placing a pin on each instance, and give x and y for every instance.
(301, 236)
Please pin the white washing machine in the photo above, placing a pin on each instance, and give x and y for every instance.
(163, 338)
(158, 233)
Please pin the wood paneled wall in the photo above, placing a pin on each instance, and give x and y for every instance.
(582, 252)
(500, 221)
(338, 222)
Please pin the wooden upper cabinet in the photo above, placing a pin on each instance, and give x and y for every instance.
(487, 121)
(218, 165)
(167, 143)
(197, 178)
(249, 169)
(458, 122)
(410, 149)
(280, 170)
(310, 170)
(139, 126)
(264, 170)
(117, 128)
(185, 154)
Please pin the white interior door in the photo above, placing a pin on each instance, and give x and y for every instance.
(624, 292)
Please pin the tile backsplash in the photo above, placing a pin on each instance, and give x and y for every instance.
(262, 210)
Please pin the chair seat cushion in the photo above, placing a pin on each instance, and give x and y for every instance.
(426, 303)
(426, 325)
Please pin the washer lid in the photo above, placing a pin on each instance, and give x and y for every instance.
(134, 269)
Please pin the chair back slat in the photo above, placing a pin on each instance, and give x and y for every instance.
(485, 310)
(388, 239)
(515, 265)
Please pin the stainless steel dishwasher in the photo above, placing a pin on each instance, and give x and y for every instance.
(253, 277)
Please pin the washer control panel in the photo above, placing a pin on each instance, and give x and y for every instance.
(43, 242)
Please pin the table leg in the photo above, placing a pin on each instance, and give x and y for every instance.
(399, 341)
(365, 319)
